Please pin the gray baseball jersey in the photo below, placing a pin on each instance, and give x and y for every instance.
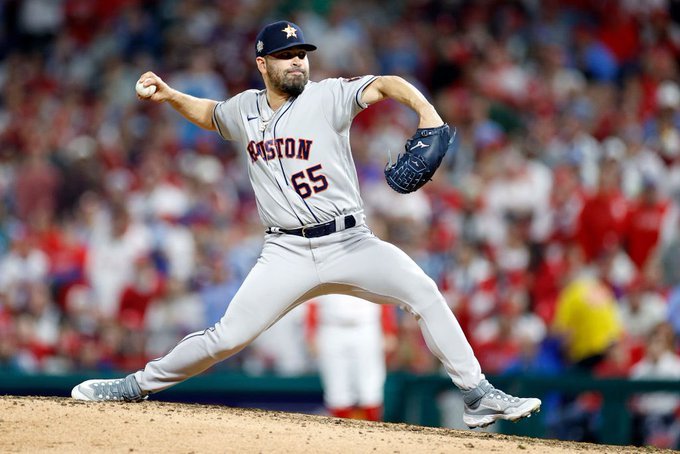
(298, 158)
(302, 172)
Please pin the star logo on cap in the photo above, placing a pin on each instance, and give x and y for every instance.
(260, 46)
(290, 31)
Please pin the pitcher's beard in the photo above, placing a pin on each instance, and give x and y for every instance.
(294, 88)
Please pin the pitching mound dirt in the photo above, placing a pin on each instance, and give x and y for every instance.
(40, 424)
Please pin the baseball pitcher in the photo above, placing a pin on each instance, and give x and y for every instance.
(296, 148)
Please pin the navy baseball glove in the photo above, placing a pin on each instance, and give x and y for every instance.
(424, 153)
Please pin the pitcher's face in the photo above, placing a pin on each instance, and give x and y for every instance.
(287, 71)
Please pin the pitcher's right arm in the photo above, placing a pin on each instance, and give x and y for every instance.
(199, 111)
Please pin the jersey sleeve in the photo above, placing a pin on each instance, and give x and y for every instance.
(343, 100)
(225, 117)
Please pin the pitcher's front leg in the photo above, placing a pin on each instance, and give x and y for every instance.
(275, 285)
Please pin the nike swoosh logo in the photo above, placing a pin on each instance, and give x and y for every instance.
(252, 118)
(493, 405)
(420, 144)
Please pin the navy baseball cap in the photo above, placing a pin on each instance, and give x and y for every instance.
(279, 36)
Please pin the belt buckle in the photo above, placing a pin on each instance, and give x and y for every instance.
(303, 231)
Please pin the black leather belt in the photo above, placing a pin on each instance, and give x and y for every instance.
(315, 231)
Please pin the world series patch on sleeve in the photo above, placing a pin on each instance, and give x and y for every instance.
(423, 155)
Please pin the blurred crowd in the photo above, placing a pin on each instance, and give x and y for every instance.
(553, 232)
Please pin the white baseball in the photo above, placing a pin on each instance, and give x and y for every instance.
(144, 92)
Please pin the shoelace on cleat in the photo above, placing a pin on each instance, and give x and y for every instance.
(500, 395)
(109, 390)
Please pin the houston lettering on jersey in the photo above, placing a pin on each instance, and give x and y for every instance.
(279, 148)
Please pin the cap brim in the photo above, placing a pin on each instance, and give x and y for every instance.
(307, 47)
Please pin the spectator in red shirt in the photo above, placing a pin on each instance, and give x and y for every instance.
(643, 224)
(37, 182)
(602, 220)
(138, 295)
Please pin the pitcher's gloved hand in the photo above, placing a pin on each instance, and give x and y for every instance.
(424, 153)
